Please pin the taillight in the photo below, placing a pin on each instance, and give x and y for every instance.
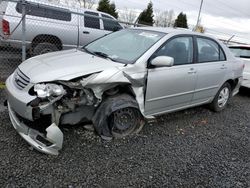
(5, 27)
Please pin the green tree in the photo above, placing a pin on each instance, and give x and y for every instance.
(106, 6)
(147, 17)
(113, 10)
(181, 21)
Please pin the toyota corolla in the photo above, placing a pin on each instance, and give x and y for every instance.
(117, 82)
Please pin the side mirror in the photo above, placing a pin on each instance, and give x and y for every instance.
(163, 61)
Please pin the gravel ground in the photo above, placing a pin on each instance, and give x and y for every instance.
(191, 148)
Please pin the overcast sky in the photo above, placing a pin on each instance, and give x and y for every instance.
(223, 17)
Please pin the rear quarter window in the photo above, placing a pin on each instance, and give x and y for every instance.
(45, 11)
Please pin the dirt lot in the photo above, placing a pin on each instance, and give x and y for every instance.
(191, 148)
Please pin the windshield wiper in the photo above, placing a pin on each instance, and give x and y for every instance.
(101, 54)
(87, 50)
(106, 56)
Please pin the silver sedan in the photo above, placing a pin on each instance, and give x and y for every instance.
(119, 81)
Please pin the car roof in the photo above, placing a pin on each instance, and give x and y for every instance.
(168, 30)
(179, 31)
(74, 9)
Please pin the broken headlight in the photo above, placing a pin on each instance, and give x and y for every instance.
(48, 90)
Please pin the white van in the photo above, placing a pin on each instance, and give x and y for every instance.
(51, 28)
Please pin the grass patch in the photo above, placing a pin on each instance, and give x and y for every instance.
(2, 85)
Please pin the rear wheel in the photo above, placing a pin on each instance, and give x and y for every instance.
(43, 48)
(222, 98)
(126, 121)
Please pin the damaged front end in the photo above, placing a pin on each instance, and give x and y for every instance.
(87, 99)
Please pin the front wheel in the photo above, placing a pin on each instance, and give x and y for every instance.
(222, 98)
(126, 121)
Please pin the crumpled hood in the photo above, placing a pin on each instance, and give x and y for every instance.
(64, 65)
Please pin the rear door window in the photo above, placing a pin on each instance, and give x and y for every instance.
(91, 22)
(111, 25)
(209, 51)
(45, 11)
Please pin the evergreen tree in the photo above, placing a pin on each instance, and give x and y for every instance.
(181, 21)
(147, 17)
(105, 6)
(113, 10)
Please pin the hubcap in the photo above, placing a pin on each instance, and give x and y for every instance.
(223, 97)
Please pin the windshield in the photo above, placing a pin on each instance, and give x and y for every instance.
(124, 46)
(241, 51)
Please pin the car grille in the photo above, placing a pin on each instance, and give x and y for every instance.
(20, 79)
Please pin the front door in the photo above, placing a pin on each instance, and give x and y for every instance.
(172, 88)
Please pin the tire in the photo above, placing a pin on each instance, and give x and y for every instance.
(42, 48)
(222, 98)
(126, 121)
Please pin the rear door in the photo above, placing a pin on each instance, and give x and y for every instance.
(211, 66)
(90, 28)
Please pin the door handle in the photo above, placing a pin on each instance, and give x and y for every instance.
(85, 32)
(192, 71)
(223, 67)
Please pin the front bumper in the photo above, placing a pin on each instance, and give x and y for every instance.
(49, 143)
(18, 108)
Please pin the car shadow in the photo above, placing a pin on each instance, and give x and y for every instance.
(244, 91)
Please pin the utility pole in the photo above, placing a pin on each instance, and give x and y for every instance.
(198, 19)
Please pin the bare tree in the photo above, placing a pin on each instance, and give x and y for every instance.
(164, 19)
(200, 29)
(128, 15)
(87, 3)
(75, 3)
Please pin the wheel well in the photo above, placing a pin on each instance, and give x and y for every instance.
(122, 89)
(233, 83)
(47, 38)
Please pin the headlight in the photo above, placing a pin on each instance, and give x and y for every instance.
(47, 90)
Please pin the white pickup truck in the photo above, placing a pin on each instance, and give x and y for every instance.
(51, 28)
